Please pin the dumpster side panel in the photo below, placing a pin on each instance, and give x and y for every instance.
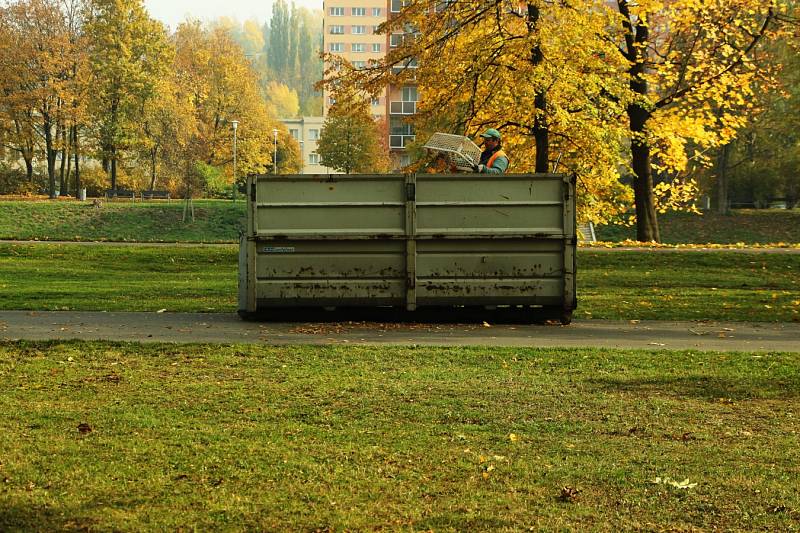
(489, 240)
(330, 240)
(406, 240)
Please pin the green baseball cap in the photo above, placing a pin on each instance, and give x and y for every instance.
(491, 133)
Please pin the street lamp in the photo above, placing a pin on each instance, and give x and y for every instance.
(275, 153)
(235, 124)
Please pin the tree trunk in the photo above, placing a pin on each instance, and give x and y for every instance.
(541, 131)
(28, 167)
(61, 132)
(723, 207)
(636, 41)
(51, 156)
(646, 222)
(76, 152)
(113, 168)
(153, 155)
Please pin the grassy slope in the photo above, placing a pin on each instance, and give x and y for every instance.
(619, 285)
(215, 221)
(304, 439)
(219, 221)
(747, 226)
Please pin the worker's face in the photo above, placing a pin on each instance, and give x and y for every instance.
(490, 143)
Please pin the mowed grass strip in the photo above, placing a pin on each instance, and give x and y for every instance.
(151, 221)
(750, 226)
(611, 285)
(118, 278)
(126, 437)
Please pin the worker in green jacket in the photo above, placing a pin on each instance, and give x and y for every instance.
(493, 159)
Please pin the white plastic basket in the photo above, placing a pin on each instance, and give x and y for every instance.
(461, 151)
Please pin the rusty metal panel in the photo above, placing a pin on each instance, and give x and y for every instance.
(330, 292)
(339, 272)
(330, 205)
(484, 204)
(500, 291)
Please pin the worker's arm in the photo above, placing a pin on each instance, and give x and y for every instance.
(499, 166)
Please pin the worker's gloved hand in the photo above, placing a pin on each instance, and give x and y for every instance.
(476, 168)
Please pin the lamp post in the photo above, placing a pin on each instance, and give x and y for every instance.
(275, 152)
(235, 124)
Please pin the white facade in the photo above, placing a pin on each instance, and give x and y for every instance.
(306, 132)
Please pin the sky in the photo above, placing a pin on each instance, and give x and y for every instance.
(172, 12)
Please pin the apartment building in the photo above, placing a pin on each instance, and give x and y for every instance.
(349, 31)
(306, 132)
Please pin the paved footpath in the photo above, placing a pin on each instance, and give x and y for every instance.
(228, 328)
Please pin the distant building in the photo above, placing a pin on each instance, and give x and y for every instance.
(306, 132)
(349, 32)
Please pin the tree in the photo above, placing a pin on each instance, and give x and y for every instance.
(550, 86)
(222, 87)
(577, 81)
(691, 66)
(129, 54)
(42, 55)
(349, 141)
(283, 100)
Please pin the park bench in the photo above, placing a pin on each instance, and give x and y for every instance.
(120, 193)
(155, 195)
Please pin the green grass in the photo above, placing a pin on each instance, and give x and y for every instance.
(750, 226)
(411, 439)
(618, 285)
(159, 221)
(220, 220)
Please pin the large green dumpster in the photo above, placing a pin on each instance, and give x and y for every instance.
(409, 241)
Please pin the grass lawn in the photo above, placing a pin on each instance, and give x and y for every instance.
(124, 437)
(750, 226)
(152, 221)
(220, 220)
(611, 285)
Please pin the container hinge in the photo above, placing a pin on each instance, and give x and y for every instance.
(411, 192)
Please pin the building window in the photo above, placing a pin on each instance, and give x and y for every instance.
(337, 11)
(395, 40)
(410, 94)
(376, 12)
(376, 47)
(358, 65)
(375, 30)
(294, 133)
(313, 159)
(313, 134)
(359, 30)
(357, 47)
(336, 47)
(359, 11)
(331, 100)
(337, 30)
(398, 5)
(376, 101)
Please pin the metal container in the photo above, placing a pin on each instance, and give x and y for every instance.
(409, 241)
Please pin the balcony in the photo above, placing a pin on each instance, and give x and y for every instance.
(402, 108)
(407, 64)
(399, 142)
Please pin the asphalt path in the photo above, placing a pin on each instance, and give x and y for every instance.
(228, 328)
